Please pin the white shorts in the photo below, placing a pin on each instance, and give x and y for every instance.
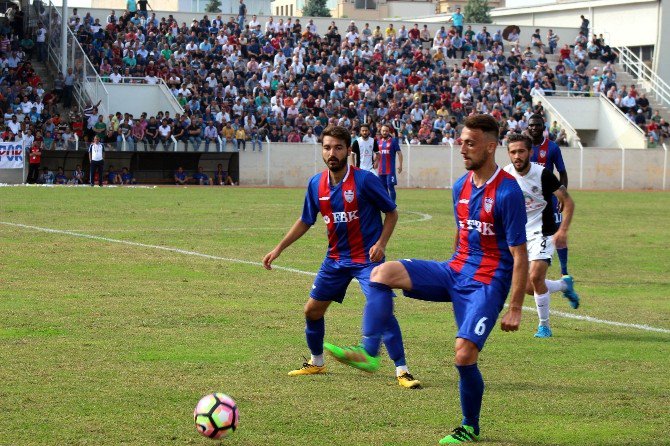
(540, 247)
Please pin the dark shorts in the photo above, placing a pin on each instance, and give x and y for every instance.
(333, 279)
(476, 305)
(388, 180)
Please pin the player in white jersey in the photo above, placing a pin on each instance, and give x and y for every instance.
(538, 185)
(364, 150)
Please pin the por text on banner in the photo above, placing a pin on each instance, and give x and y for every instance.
(11, 155)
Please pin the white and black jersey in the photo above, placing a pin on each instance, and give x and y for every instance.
(538, 187)
(365, 150)
(96, 151)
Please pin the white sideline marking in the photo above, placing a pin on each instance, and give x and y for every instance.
(422, 217)
(298, 271)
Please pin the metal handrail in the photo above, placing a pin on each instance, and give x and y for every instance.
(635, 66)
(637, 127)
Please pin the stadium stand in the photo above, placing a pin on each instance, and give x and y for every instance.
(280, 80)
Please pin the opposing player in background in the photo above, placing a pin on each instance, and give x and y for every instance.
(546, 153)
(350, 201)
(386, 160)
(364, 150)
(539, 185)
(490, 258)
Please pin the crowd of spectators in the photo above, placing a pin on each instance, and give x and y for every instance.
(285, 81)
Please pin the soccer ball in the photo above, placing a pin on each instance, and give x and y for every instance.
(216, 416)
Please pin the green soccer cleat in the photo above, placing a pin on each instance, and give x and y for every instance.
(462, 434)
(354, 356)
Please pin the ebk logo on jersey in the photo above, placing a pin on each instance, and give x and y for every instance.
(488, 204)
(349, 195)
(543, 153)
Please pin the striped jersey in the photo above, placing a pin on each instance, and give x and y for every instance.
(365, 150)
(548, 155)
(538, 186)
(489, 220)
(387, 153)
(351, 210)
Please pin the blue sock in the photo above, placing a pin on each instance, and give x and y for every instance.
(392, 192)
(563, 258)
(378, 309)
(314, 332)
(393, 342)
(471, 388)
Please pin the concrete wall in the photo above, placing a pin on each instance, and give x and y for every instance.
(138, 98)
(615, 130)
(598, 122)
(583, 112)
(633, 23)
(432, 166)
(424, 166)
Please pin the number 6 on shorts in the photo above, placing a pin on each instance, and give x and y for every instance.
(480, 328)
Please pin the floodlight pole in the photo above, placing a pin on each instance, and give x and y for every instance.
(63, 38)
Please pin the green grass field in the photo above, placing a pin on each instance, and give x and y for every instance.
(108, 343)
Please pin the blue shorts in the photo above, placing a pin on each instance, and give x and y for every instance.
(476, 305)
(388, 180)
(333, 279)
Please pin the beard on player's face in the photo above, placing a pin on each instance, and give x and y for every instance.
(521, 165)
(335, 164)
(474, 164)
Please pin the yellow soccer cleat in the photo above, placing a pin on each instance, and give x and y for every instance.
(308, 369)
(408, 381)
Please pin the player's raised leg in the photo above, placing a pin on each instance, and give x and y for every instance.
(376, 318)
(565, 285)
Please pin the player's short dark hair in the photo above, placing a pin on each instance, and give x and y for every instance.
(520, 137)
(485, 123)
(337, 132)
(367, 126)
(536, 116)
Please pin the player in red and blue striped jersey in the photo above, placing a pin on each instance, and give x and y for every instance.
(490, 258)
(350, 201)
(385, 161)
(546, 153)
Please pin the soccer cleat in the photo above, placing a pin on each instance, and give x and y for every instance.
(543, 332)
(407, 380)
(462, 434)
(308, 369)
(354, 356)
(569, 292)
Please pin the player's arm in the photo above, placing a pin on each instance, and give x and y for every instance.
(298, 229)
(399, 161)
(567, 206)
(375, 153)
(512, 318)
(354, 158)
(378, 250)
(563, 178)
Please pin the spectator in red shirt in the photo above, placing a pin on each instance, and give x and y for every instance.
(34, 159)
